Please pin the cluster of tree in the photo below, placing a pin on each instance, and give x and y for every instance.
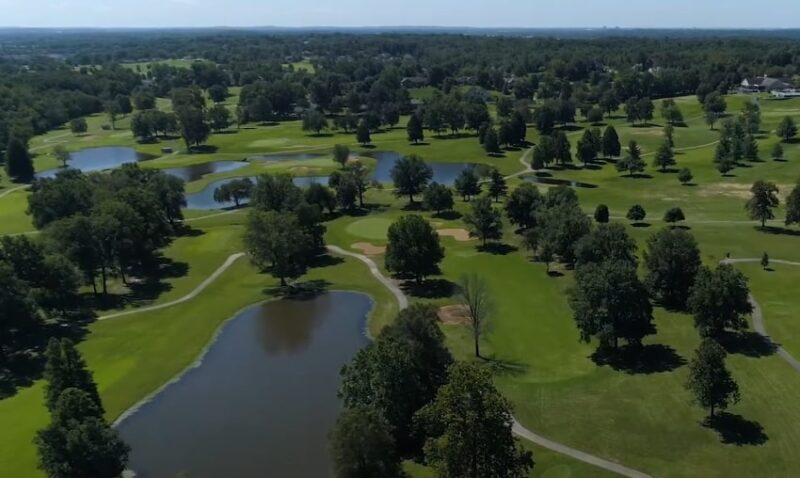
(761, 205)
(236, 190)
(609, 301)
(639, 109)
(671, 112)
(40, 94)
(454, 112)
(551, 224)
(153, 123)
(78, 441)
(736, 143)
(405, 398)
(108, 223)
(284, 231)
(37, 282)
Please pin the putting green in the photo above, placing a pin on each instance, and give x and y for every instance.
(370, 228)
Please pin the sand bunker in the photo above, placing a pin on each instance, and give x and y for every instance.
(369, 249)
(461, 235)
(453, 315)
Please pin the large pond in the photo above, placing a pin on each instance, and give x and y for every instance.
(193, 172)
(98, 159)
(443, 173)
(204, 199)
(263, 400)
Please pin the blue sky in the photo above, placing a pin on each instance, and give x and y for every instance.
(477, 13)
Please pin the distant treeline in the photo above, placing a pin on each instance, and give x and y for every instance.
(49, 78)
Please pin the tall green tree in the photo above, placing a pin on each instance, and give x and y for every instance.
(664, 157)
(399, 373)
(19, 165)
(793, 206)
(497, 185)
(765, 198)
(413, 249)
(469, 429)
(787, 129)
(276, 242)
(710, 381)
(611, 145)
(65, 369)
(414, 129)
(672, 260)
(606, 242)
(777, 152)
(437, 197)
(193, 127)
(467, 183)
(610, 303)
(719, 299)
(362, 445)
(362, 133)
(523, 205)
(484, 221)
(410, 175)
(632, 162)
(314, 120)
(562, 148)
(341, 154)
(78, 442)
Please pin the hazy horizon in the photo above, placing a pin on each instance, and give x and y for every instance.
(573, 14)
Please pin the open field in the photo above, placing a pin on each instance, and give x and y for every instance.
(643, 419)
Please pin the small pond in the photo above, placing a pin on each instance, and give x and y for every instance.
(443, 173)
(194, 172)
(98, 159)
(204, 199)
(263, 400)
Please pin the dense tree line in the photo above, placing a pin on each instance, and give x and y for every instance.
(405, 392)
(108, 223)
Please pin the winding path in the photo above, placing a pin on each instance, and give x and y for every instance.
(191, 295)
(758, 316)
(9, 191)
(518, 429)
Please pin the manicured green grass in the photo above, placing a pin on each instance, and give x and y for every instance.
(643, 420)
(370, 228)
(775, 291)
(134, 355)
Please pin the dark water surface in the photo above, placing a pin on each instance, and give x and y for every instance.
(204, 199)
(443, 173)
(193, 172)
(98, 159)
(263, 400)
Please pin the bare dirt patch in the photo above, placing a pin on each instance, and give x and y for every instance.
(369, 249)
(737, 190)
(460, 235)
(453, 315)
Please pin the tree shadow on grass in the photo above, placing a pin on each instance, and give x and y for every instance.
(642, 225)
(505, 367)
(413, 206)
(430, 288)
(299, 290)
(498, 248)
(736, 430)
(749, 344)
(325, 260)
(19, 368)
(144, 286)
(783, 231)
(448, 215)
(647, 359)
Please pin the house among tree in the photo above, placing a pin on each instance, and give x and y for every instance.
(414, 82)
(766, 84)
